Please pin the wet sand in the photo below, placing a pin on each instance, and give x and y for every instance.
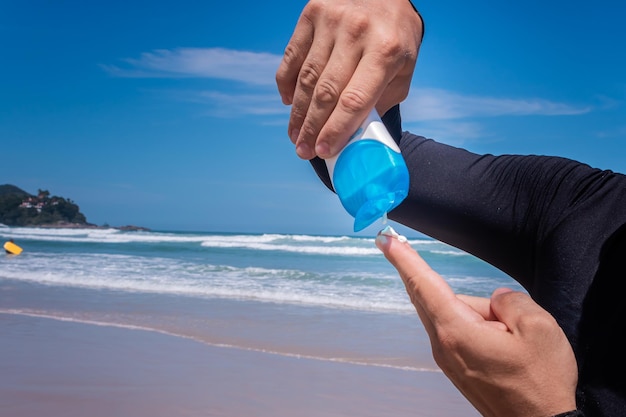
(57, 368)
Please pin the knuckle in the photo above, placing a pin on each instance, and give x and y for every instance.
(412, 282)
(358, 25)
(313, 8)
(326, 92)
(392, 48)
(309, 74)
(395, 50)
(291, 54)
(412, 285)
(308, 131)
(297, 113)
(537, 322)
(281, 79)
(353, 100)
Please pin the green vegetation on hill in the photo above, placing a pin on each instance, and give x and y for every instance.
(12, 189)
(19, 208)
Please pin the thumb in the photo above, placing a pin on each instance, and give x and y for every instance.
(518, 311)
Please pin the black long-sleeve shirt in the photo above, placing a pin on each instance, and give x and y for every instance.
(555, 225)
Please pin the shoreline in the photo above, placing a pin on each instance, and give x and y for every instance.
(336, 335)
(70, 369)
(71, 352)
(221, 345)
(162, 325)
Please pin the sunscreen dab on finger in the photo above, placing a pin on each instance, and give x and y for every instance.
(390, 232)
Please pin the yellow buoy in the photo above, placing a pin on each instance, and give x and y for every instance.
(12, 248)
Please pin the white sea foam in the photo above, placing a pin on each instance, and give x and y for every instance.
(323, 239)
(321, 250)
(118, 272)
(450, 252)
(338, 272)
(117, 236)
(305, 244)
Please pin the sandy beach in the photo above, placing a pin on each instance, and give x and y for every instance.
(62, 368)
(108, 323)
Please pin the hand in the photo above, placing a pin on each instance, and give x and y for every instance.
(507, 355)
(346, 57)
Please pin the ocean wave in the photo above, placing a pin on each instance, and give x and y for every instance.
(116, 236)
(343, 246)
(450, 252)
(120, 272)
(320, 250)
(335, 272)
(111, 235)
(313, 238)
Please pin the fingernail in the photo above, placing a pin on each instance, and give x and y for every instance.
(287, 99)
(390, 232)
(322, 149)
(383, 237)
(381, 241)
(303, 150)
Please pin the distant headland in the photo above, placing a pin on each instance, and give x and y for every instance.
(19, 208)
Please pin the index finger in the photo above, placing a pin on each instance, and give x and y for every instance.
(426, 287)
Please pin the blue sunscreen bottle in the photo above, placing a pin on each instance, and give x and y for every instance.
(369, 174)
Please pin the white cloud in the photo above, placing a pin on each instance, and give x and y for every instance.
(237, 104)
(247, 67)
(437, 104)
(616, 132)
(258, 69)
(453, 132)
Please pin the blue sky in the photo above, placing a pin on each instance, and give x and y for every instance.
(165, 114)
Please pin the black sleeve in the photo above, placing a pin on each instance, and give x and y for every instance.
(555, 225)
(573, 413)
(503, 209)
(508, 209)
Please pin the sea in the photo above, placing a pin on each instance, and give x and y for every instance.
(323, 297)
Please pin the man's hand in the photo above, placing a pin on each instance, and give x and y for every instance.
(507, 355)
(346, 57)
